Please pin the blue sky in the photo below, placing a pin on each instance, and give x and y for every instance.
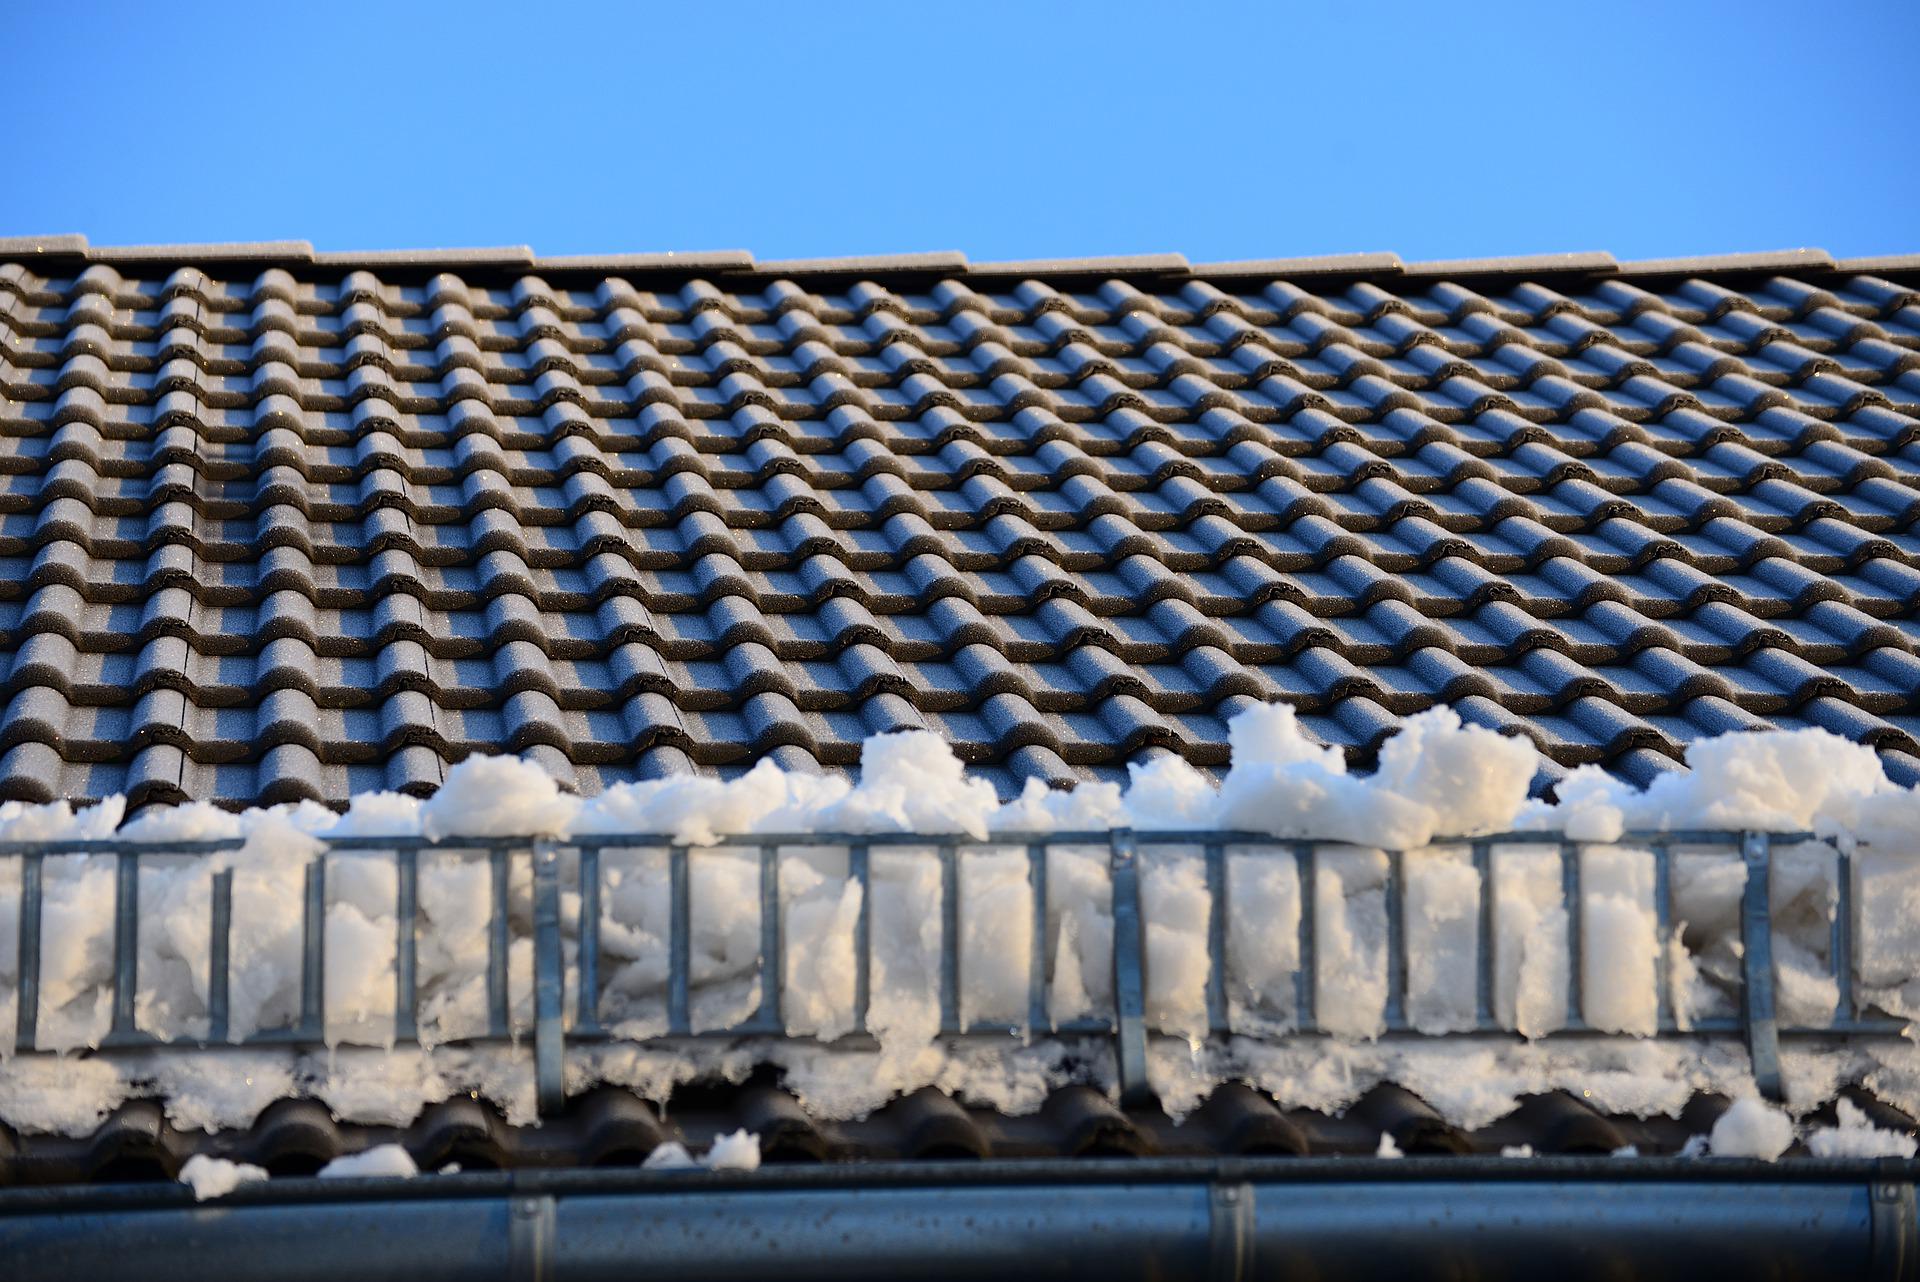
(1005, 131)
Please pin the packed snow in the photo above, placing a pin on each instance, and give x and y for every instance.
(382, 1161)
(1751, 1128)
(211, 1177)
(1855, 1135)
(1437, 779)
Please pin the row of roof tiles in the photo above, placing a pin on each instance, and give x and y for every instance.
(611, 1127)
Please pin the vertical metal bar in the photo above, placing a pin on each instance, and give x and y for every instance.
(406, 945)
(1756, 937)
(313, 952)
(1038, 1020)
(1396, 905)
(860, 872)
(1129, 976)
(1486, 960)
(1217, 937)
(549, 983)
(1663, 1017)
(1576, 960)
(1840, 946)
(680, 941)
(1306, 970)
(499, 1002)
(587, 1014)
(27, 1007)
(219, 946)
(772, 963)
(950, 939)
(126, 939)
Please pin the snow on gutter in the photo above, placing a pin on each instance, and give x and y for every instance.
(1436, 778)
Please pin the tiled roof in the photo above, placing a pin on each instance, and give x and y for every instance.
(612, 1127)
(278, 524)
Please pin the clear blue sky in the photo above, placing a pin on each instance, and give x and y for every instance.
(1018, 130)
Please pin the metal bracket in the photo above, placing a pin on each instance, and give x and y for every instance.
(1893, 1229)
(549, 963)
(531, 1238)
(1129, 972)
(1756, 939)
(1230, 1231)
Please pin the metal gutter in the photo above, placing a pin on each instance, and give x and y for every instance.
(1228, 1218)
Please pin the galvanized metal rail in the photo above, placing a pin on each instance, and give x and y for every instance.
(1757, 1022)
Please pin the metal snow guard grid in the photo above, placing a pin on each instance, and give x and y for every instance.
(1757, 1022)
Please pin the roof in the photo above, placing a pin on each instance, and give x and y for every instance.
(278, 524)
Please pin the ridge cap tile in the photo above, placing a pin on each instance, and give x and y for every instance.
(43, 246)
(1880, 263)
(1755, 260)
(211, 252)
(694, 259)
(940, 260)
(1084, 266)
(1590, 260)
(1311, 265)
(488, 256)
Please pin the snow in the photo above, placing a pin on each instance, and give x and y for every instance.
(1857, 1136)
(211, 1177)
(1751, 1128)
(670, 1156)
(738, 1151)
(1436, 779)
(382, 1161)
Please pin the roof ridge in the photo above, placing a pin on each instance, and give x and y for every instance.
(948, 262)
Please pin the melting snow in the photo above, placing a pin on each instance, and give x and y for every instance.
(1751, 1128)
(1857, 1136)
(216, 1176)
(388, 1161)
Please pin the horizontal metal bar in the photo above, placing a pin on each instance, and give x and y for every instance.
(1145, 837)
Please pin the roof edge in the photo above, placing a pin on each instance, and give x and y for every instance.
(68, 246)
